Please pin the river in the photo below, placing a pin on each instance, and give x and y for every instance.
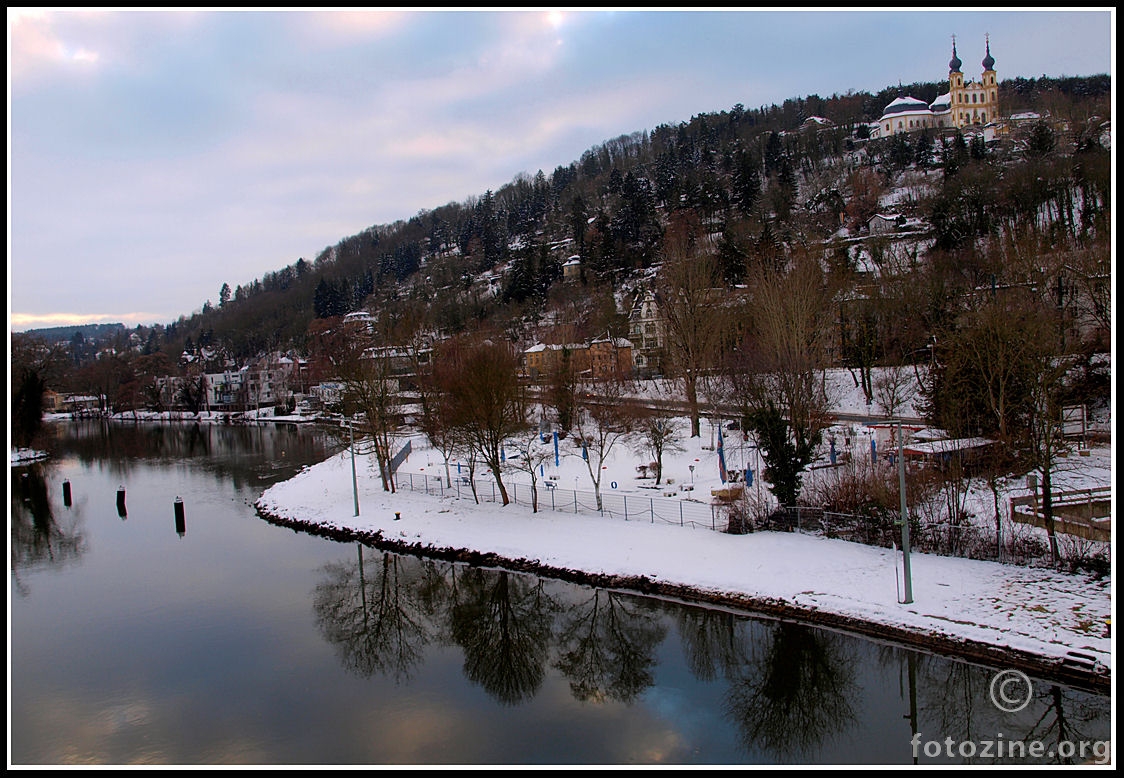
(149, 631)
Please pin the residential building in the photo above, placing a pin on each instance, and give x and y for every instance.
(610, 358)
(647, 332)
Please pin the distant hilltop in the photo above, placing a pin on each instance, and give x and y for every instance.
(88, 331)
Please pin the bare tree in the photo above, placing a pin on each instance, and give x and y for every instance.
(658, 434)
(600, 422)
(1044, 434)
(436, 419)
(689, 292)
(371, 389)
(34, 366)
(561, 388)
(893, 389)
(778, 379)
(532, 455)
(488, 405)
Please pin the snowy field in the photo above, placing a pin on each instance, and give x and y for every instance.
(1034, 611)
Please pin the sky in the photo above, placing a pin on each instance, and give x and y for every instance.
(155, 155)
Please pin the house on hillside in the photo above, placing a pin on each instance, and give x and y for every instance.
(541, 360)
(610, 358)
(647, 332)
(883, 223)
(572, 269)
(224, 390)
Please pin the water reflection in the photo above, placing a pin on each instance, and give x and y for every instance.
(244, 455)
(953, 701)
(790, 693)
(794, 693)
(411, 660)
(503, 624)
(39, 537)
(607, 645)
(368, 613)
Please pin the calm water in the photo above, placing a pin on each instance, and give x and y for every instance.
(230, 641)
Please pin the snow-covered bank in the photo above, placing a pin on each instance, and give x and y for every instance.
(1034, 618)
(25, 456)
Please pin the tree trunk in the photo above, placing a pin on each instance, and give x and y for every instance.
(693, 404)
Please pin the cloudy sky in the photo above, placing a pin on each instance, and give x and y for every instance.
(155, 155)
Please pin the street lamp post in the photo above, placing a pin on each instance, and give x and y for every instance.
(354, 481)
(905, 519)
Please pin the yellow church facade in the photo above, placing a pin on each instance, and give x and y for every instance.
(966, 103)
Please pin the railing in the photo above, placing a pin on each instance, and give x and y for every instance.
(629, 507)
(1013, 543)
(1080, 512)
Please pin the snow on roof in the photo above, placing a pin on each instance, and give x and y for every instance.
(906, 105)
(948, 446)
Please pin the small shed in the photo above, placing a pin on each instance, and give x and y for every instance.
(572, 268)
(943, 453)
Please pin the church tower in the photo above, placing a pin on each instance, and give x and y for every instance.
(973, 102)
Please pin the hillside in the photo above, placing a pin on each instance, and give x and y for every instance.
(753, 176)
(909, 229)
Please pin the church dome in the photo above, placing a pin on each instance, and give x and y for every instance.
(905, 105)
(954, 63)
(988, 61)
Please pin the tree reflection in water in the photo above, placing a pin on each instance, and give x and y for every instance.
(38, 537)
(715, 643)
(795, 695)
(372, 616)
(503, 623)
(954, 701)
(607, 647)
(790, 690)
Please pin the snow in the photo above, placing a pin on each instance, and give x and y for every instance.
(23, 456)
(987, 609)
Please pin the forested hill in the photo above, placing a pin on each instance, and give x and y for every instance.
(762, 180)
(94, 332)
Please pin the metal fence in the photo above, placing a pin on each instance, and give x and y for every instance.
(1012, 543)
(684, 512)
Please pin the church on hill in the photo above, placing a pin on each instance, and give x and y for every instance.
(966, 103)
